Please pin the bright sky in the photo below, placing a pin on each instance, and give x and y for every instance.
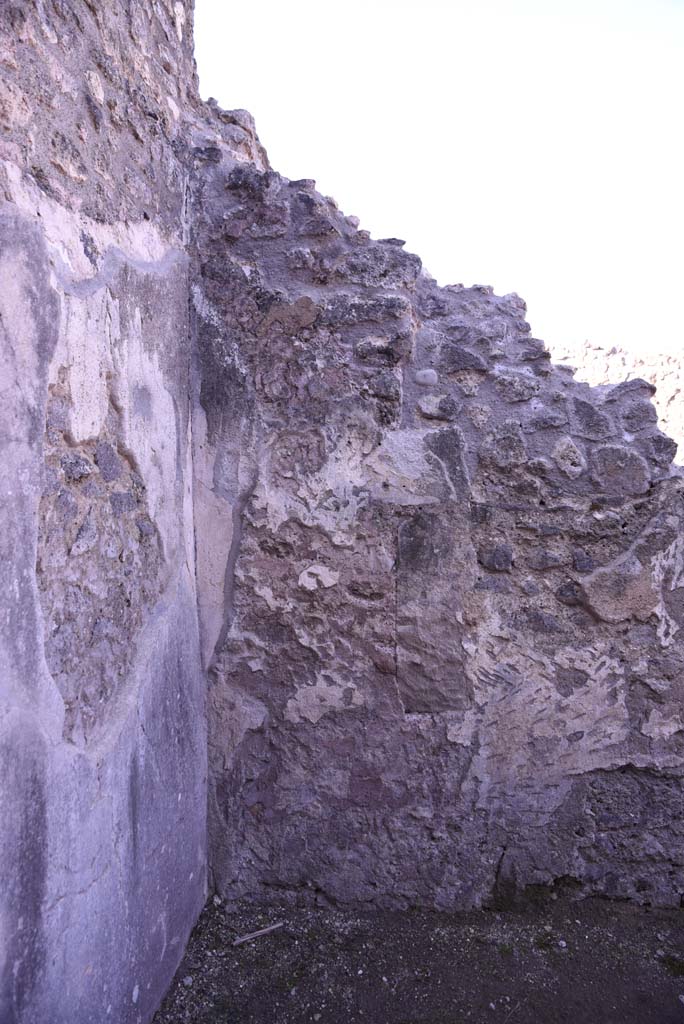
(534, 146)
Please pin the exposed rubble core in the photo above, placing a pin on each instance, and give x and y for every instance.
(264, 478)
(458, 574)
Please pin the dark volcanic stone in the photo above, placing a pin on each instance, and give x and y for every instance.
(75, 466)
(108, 462)
(498, 559)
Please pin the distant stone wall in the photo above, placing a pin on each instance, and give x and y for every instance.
(664, 370)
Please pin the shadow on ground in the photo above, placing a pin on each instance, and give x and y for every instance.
(590, 962)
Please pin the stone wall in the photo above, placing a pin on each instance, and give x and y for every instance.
(448, 666)
(435, 583)
(102, 733)
(662, 369)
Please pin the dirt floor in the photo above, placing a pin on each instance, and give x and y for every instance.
(591, 962)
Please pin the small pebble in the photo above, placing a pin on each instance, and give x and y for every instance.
(187, 980)
(426, 377)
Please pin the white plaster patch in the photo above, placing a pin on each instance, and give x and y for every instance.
(149, 427)
(329, 499)
(95, 84)
(139, 241)
(398, 471)
(89, 326)
(203, 307)
(526, 725)
(318, 576)
(179, 12)
(311, 703)
(670, 561)
(267, 595)
(660, 726)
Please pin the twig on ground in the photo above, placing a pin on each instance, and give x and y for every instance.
(256, 935)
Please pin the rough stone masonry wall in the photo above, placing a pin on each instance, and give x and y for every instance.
(449, 664)
(435, 583)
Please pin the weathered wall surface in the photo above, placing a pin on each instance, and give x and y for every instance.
(102, 734)
(449, 663)
(436, 583)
